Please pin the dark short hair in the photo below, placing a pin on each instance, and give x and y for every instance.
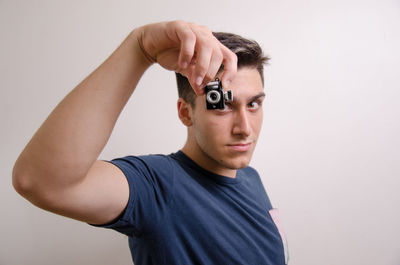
(249, 54)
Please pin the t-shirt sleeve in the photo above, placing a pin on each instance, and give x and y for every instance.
(150, 179)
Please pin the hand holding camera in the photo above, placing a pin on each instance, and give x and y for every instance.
(189, 49)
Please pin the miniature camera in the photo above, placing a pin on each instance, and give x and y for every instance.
(215, 95)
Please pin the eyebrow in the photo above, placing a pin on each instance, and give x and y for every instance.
(259, 95)
(251, 99)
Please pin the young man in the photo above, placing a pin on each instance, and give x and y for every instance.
(201, 205)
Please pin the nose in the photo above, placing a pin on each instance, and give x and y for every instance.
(241, 123)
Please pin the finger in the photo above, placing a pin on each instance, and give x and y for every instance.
(213, 68)
(189, 73)
(230, 66)
(198, 90)
(187, 46)
(202, 64)
(206, 45)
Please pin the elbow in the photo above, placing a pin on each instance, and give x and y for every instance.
(30, 183)
(21, 181)
(23, 178)
(24, 183)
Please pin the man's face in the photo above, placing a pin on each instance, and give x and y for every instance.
(224, 140)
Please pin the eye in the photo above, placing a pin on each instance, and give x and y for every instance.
(254, 105)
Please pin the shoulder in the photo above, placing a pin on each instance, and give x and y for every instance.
(158, 169)
(252, 177)
(145, 163)
(250, 172)
(255, 183)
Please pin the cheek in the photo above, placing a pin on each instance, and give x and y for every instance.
(209, 131)
(257, 123)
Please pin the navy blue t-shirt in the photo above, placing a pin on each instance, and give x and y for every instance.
(179, 213)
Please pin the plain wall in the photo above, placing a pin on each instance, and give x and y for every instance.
(328, 153)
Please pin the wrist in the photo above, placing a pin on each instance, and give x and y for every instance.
(136, 37)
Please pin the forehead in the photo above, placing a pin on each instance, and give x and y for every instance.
(247, 83)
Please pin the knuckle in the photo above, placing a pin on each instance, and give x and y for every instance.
(181, 26)
(232, 60)
(201, 69)
(178, 23)
(209, 76)
(186, 53)
(218, 56)
(205, 29)
(189, 36)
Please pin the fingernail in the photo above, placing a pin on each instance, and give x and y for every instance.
(184, 65)
(199, 80)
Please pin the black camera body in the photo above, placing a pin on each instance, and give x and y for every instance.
(215, 95)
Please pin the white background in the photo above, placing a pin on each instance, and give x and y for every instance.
(328, 152)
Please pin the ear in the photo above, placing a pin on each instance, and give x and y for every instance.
(185, 112)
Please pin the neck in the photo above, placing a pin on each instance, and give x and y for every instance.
(194, 152)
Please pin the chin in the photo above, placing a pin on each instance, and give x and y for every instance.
(237, 163)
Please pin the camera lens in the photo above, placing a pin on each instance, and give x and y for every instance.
(213, 97)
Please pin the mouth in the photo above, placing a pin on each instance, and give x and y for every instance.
(241, 147)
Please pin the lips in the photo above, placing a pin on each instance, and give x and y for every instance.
(242, 147)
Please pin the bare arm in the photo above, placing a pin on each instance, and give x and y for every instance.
(58, 169)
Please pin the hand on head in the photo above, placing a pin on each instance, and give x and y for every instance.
(189, 49)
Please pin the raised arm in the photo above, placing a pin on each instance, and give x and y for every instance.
(58, 169)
